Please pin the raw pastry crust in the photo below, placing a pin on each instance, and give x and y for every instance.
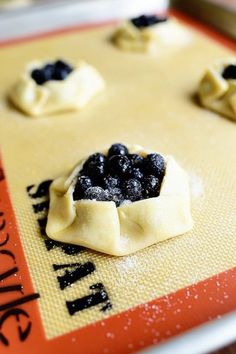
(151, 39)
(73, 93)
(130, 227)
(217, 93)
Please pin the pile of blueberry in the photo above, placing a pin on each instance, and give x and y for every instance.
(120, 176)
(229, 72)
(147, 21)
(58, 70)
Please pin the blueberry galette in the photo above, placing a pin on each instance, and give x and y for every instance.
(49, 87)
(150, 34)
(217, 89)
(120, 201)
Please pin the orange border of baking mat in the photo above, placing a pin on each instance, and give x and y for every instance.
(20, 324)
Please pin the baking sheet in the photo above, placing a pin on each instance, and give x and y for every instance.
(143, 301)
(203, 339)
(59, 14)
(220, 14)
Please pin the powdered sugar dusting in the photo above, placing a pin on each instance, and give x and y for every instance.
(126, 264)
(196, 186)
(125, 202)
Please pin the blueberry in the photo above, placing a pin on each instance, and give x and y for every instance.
(229, 72)
(133, 189)
(51, 71)
(95, 166)
(135, 173)
(110, 182)
(155, 165)
(82, 184)
(146, 21)
(96, 193)
(151, 186)
(119, 165)
(48, 71)
(136, 160)
(39, 76)
(59, 74)
(116, 195)
(97, 171)
(117, 149)
(95, 158)
(61, 65)
(61, 70)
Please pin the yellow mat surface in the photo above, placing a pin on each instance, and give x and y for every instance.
(148, 101)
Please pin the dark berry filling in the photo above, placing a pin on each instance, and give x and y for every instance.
(147, 20)
(120, 176)
(136, 160)
(96, 193)
(119, 165)
(117, 149)
(96, 166)
(58, 70)
(110, 182)
(229, 72)
(136, 173)
(82, 184)
(155, 165)
(151, 185)
(133, 190)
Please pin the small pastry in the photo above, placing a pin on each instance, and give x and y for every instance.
(217, 89)
(150, 34)
(120, 201)
(50, 87)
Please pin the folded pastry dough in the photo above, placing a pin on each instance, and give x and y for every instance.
(72, 93)
(217, 93)
(125, 229)
(152, 39)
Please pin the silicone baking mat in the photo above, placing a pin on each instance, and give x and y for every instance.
(56, 297)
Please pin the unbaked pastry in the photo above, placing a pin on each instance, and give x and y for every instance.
(217, 90)
(151, 39)
(72, 93)
(102, 226)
